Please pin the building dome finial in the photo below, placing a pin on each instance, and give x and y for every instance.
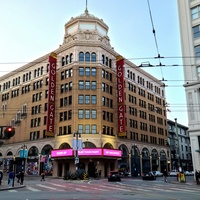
(86, 10)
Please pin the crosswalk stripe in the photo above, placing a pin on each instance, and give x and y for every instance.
(79, 189)
(12, 190)
(33, 189)
(117, 188)
(48, 187)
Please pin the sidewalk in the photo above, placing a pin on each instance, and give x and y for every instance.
(4, 184)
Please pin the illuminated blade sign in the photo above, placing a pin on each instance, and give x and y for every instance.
(112, 152)
(61, 152)
(51, 95)
(120, 97)
(90, 152)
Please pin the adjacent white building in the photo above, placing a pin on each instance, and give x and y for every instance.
(189, 19)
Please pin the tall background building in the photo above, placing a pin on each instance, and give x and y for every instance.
(189, 19)
(113, 105)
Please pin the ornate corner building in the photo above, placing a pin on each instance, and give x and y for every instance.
(117, 109)
(189, 22)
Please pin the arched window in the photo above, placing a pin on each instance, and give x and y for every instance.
(42, 70)
(93, 57)
(67, 59)
(103, 59)
(63, 61)
(106, 61)
(64, 146)
(81, 56)
(47, 68)
(71, 58)
(87, 57)
(110, 63)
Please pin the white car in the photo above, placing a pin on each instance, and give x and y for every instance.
(157, 173)
(173, 173)
(187, 173)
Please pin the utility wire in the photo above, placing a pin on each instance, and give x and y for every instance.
(156, 43)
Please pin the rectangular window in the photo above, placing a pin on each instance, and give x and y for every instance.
(87, 85)
(87, 114)
(87, 128)
(70, 72)
(197, 51)
(94, 99)
(66, 87)
(62, 75)
(81, 85)
(196, 32)
(94, 129)
(80, 128)
(60, 131)
(87, 99)
(94, 85)
(81, 71)
(103, 87)
(70, 86)
(61, 89)
(103, 73)
(195, 12)
(65, 101)
(87, 71)
(94, 114)
(81, 99)
(80, 114)
(94, 71)
(65, 115)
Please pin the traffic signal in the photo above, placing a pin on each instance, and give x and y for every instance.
(166, 143)
(9, 132)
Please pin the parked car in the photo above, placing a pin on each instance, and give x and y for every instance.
(148, 176)
(187, 173)
(114, 176)
(157, 173)
(173, 173)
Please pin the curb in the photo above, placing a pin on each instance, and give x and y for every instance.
(12, 188)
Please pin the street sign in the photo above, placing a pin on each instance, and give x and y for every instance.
(77, 144)
(76, 160)
(23, 153)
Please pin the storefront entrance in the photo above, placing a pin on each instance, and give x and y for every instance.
(91, 169)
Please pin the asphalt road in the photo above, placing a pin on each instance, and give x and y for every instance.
(127, 189)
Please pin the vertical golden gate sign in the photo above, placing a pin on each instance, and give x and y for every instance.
(120, 97)
(51, 95)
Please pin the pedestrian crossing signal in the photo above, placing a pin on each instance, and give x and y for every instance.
(9, 132)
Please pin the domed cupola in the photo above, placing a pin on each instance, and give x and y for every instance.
(86, 27)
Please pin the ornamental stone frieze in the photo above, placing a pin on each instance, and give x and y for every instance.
(87, 36)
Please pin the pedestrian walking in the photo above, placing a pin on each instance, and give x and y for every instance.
(18, 177)
(1, 176)
(197, 174)
(10, 178)
(42, 176)
(165, 174)
(22, 177)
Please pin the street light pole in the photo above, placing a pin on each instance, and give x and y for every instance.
(76, 155)
(39, 159)
(24, 156)
(13, 183)
(77, 145)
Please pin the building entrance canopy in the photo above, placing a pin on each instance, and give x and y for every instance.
(87, 152)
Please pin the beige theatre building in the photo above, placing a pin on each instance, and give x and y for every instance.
(84, 95)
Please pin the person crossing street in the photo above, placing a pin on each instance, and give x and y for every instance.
(165, 174)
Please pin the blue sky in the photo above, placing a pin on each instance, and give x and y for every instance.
(31, 29)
